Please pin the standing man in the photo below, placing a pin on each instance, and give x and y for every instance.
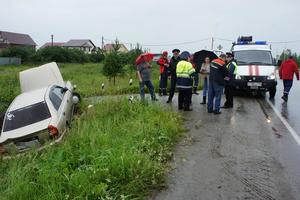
(163, 63)
(144, 76)
(172, 69)
(218, 73)
(184, 73)
(286, 72)
(229, 83)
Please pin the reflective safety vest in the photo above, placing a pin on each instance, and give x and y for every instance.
(235, 66)
(184, 71)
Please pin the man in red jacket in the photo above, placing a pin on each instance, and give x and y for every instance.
(286, 72)
(163, 62)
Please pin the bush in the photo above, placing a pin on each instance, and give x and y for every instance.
(25, 53)
(60, 54)
(96, 57)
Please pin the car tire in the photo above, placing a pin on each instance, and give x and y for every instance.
(272, 92)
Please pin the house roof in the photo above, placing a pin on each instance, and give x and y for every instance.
(56, 44)
(109, 47)
(17, 38)
(78, 43)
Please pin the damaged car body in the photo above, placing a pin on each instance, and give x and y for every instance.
(41, 113)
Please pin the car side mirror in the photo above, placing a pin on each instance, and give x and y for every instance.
(64, 90)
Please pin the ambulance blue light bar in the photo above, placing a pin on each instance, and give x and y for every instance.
(261, 42)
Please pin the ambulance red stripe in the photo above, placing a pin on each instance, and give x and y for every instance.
(256, 70)
(250, 70)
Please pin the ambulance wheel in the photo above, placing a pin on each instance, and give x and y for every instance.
(272, 92)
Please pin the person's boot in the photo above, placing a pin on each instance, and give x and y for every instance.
(160, 92)
(203, 101)
(285, 97)
(169, 101)
(195, 91)
(165, 92)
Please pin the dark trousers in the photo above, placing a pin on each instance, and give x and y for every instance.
(184, 98)
(172, 87)
(163, 83)
(215, 92)
(229, 89)
(287, 84)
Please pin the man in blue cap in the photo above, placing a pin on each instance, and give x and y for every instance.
(184, 73)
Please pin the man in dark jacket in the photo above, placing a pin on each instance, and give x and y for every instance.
(172, 70)
(229, 84)
(217, 76)
(286, 72)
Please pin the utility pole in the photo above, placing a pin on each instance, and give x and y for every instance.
(51, 40)
(102, 44)
(212, 43)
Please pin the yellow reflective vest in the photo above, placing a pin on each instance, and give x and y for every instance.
(184, 72)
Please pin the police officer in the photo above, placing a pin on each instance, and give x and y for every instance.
(172, 69)
(184, 73)
(163, 62)
(229, 83)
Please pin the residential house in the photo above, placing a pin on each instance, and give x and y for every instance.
(110, 47)
(85, 45)
(54, 44)
(9, 39)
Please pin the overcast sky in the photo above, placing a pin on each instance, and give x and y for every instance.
(153, 22)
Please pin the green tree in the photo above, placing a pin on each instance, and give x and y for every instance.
(113, 66)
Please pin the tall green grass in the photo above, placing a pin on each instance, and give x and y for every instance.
(116, 150)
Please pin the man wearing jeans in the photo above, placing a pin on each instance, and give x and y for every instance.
(144, 76)
(217, 76)
(286, 72)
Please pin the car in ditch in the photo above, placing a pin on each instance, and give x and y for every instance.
(41, 113)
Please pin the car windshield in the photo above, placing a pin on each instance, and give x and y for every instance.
(26, 116)
(253, 57)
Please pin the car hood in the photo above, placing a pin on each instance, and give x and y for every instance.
(40, 77)
(24, 131)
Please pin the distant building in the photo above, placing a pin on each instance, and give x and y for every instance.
(109, 48)
(55, 44)
(85, 45)
(9, 39)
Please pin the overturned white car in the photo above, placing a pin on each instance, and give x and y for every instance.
(42, 111)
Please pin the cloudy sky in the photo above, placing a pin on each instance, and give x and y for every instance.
(155, 22)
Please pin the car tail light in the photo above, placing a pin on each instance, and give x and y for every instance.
(53, 131)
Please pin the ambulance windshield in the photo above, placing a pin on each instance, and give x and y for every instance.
(253, 57)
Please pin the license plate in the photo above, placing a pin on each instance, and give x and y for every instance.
(254, 84)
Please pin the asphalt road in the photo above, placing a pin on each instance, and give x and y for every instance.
(249, 152)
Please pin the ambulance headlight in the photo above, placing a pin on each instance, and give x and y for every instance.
(271, 76)
(238, 77)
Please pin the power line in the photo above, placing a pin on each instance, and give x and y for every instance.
(286, 42)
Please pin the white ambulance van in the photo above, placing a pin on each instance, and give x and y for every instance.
(255, 66)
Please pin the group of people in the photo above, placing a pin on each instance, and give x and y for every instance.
(215, 74)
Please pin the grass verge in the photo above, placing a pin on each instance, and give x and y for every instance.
(116, 150)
